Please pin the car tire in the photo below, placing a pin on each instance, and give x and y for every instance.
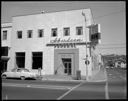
(22, 78)
(4, 76)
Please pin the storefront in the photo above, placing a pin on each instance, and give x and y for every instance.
(58, 47)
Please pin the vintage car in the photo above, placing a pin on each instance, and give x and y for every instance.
(21, 73)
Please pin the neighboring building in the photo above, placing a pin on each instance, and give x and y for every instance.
(120, 64)
(54, 42)
(6, 43)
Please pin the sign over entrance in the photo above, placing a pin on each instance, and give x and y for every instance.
(69, 40)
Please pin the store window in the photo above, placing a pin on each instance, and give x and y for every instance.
(5, 35)
(29, 32)
(54, 32)
(19, 34)
(66, 31)
(20, 59)
(37, 60)
(40, 33)
(79, 30)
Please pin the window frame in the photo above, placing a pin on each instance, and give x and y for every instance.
(19, 34)
(29, 35)
(42, 33)
(79, 28)
(52, 30)
(34, 61)
(4, 35)
(64, 31)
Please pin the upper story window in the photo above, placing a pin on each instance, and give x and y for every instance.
(40, 33)
(79, 30)
(5, 35)
(54, 32)
(29, 32)
(19, 34)
(66, 31)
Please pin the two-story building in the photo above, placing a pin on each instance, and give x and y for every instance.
(56, 42)
(5, 44)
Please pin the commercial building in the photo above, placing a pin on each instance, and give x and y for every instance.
(57, 42)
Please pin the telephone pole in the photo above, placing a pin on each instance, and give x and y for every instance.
(86, 60)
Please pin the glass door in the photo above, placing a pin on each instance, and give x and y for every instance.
(67, 66)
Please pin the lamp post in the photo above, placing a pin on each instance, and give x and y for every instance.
(86, 47)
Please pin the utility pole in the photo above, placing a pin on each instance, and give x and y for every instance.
(86, 60)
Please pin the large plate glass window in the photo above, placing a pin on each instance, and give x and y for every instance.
(37, 60)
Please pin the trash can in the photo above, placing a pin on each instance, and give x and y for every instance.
(78, 75)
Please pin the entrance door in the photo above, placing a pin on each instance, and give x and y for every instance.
(67, 65)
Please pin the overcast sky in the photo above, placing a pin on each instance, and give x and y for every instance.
(111, 16)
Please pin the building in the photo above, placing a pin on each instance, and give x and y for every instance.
(57, 42)
(6, 43)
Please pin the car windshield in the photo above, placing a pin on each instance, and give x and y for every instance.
(26, 70)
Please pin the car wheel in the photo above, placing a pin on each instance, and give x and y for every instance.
(4, 77)
(22, 78)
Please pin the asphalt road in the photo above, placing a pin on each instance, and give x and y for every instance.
(116, 83)
(114, 88)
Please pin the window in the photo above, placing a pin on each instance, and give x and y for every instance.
(66, 31)
(4, 51)
(29, 33)
(5, 35)
(54, 32)
(37, 60)
(40, 33)
(19, 34)
(79, 30)
(20, 59)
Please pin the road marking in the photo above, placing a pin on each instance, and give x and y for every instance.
(106, 87)
(59, 98)
(37, 86)
(6, 97)
(106, 91)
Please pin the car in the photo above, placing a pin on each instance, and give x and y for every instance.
(21, 73)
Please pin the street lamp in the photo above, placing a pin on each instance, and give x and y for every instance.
(86, 60)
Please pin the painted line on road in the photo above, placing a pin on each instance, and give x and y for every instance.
(37, 86)
(106, 87)
(6, 97)
(106, 91)
(59, 98)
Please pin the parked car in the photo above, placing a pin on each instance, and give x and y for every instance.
(21, 73)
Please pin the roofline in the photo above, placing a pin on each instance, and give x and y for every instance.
(6, 25)
(52, 12)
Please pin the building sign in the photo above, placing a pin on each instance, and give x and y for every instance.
(69, 40)
(95, 33)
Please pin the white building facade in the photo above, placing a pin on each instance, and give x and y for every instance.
(55, 42)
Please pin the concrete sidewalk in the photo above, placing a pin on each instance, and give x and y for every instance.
(101, 75)
(98, 77)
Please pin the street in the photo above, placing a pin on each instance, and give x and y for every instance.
(113, 88)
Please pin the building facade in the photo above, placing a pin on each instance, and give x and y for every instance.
(6, 44)
(57, 42)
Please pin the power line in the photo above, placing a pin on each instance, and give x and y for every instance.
(111, 47)
(109, 14)
(113, 44)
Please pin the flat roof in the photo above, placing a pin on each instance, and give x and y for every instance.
(45, 12)
(6, 25)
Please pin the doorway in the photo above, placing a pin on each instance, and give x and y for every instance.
(67, 63)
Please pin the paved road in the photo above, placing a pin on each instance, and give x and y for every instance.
(114, 88)
(116, 84)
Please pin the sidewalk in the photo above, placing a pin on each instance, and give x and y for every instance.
(101, 75)
(98, 77)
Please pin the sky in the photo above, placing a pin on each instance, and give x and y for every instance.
(111, 15)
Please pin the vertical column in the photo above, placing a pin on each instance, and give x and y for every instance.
(28, 60)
